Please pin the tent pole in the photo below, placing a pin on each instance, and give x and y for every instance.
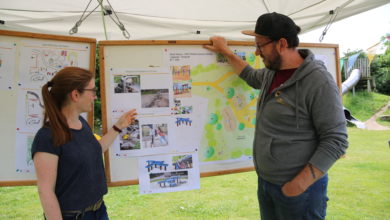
(103, 20)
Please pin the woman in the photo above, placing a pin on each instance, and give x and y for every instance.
(67, 157)
(162, 135)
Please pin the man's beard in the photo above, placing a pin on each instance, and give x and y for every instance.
(274, 62)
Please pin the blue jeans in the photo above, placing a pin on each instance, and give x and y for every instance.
(311, 204)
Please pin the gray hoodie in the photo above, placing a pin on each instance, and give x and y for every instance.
(300, 122)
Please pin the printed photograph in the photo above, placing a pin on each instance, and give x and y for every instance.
(168, 179)
(155, 98)
(183, 121)
(179, 109)
(241, 54)
(181, 76)
(127, 83)
(154, 135)
(182, 162)
(221, 58)
(156, 164)
(130, 137)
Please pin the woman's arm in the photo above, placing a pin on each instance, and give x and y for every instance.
(125, 120)
(46, 169)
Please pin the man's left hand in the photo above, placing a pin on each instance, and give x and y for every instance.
(292, 188)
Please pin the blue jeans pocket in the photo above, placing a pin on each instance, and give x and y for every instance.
(293, 204)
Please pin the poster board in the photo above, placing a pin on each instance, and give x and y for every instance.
(217, 156)
(27, 61)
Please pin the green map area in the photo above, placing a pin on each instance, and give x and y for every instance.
(229, 130)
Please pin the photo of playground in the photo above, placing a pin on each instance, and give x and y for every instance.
(127, 83)
(179, 109)
(130, 138)
(182, 162)
(154, 98)
(183, 121)
(168, 179)
(182, 110)
(154, 135)
(156, 164)
(182, 89)
(221, 58)
(181, 81)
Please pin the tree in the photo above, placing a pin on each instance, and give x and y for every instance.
(97, 105)
(380, 68)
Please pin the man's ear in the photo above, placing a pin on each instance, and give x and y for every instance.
(74, 95)
(283, 44)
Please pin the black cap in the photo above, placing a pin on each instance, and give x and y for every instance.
(274, 26)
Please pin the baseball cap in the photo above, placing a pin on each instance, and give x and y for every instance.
(274, 26)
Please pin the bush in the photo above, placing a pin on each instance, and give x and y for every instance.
(380, 70)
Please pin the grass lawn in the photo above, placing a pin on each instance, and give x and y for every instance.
(364, 104)
(382, 122)
(358, 189)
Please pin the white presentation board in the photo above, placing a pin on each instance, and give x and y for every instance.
(27, 61)
(189, 91)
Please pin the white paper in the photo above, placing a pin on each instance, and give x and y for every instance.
(189, 127)
(168, 125)
(23, 160)
(7, 65)
(41, 60)
(168, 173)
(149, 91)
(188, 57)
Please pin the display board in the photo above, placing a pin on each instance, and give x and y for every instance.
(189, 93)
(27, 61)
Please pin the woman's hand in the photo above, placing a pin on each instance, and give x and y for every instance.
(126, 119)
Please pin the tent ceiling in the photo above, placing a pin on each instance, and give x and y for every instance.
(171, 19)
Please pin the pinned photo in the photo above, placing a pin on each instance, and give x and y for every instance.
(155, 98)
(154, 135)
(168, 180)
(129, 138)
(221, 58)
(183, 121)
(182, 162)
(155, 164)
(178, 109)
(241, 54)
(181, 81)
(127, 83)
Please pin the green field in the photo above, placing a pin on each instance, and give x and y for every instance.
(363, 104)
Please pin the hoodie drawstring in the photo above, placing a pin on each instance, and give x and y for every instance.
(296, 103)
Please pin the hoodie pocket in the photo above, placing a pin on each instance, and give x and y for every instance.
(263, 150)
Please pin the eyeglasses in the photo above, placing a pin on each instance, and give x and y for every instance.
(93, 90)
(259, 46)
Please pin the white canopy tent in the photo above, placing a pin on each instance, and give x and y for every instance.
(170, 19)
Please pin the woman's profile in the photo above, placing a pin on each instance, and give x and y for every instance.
(67, 157)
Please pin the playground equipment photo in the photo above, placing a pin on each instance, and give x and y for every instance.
(347, 85)
(155, 164)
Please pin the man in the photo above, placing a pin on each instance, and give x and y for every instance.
(300, 128)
